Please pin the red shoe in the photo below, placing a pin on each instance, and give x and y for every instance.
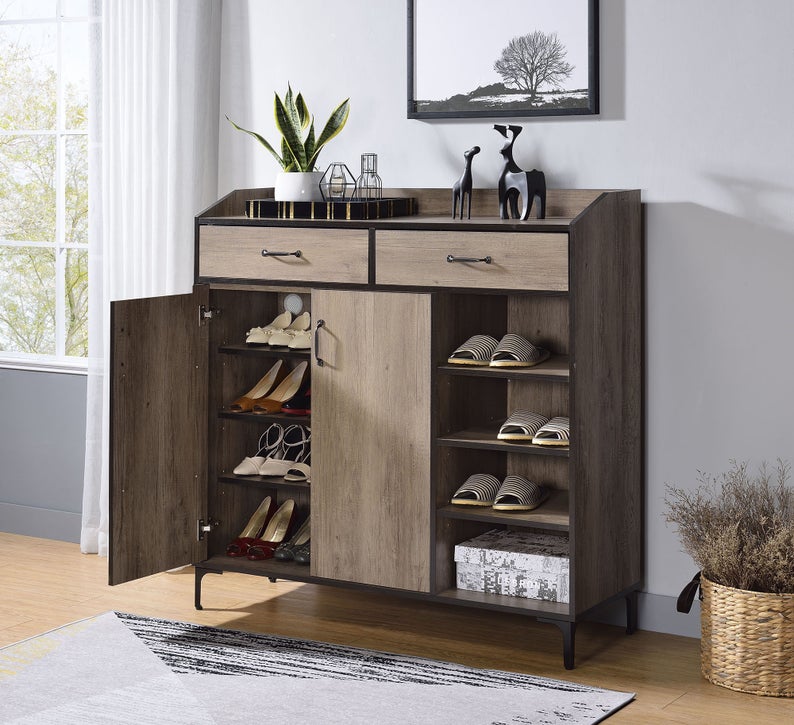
(276, 531)
(253, 529)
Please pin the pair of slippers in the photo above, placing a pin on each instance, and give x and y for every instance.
(526, 425)
(511, 351)
(515, 493)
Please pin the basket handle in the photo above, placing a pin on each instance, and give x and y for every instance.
(687, 595)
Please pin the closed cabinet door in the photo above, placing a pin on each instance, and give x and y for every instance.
(370, 492)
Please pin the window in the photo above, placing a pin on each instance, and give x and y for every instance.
(46, 98)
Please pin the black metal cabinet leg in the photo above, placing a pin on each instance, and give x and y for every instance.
(197, 592)
(631, 612)
(568, 630)
(568, 638)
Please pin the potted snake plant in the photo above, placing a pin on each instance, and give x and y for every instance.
(300, 146)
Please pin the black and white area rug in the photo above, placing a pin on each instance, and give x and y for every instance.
(121, 668)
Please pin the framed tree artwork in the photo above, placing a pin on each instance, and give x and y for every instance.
(471, 59)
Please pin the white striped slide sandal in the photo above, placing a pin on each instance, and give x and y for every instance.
(476, 350)
(519, 494)
(522, 425)
(557, 432)
(479, 490)
(514, 351)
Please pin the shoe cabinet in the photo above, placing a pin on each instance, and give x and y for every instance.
(395, 428)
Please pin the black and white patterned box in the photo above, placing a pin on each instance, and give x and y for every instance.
(515, 563)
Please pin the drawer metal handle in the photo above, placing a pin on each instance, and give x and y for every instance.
(320, 362)
(296, 253)
(451, 258)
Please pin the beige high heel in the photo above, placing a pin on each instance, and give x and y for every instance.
(288, 389)
(268, 381)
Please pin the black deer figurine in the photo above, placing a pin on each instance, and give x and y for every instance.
(462, 187)
(515, 182)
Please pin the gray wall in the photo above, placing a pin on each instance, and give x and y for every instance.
(42, 452)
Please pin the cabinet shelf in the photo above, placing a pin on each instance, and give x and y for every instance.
(263, 481)
(485, 438)
(556, 368)
(283, 418)
(502, 601)
(302, 573)
(264, 351)
(551, 515)
(269, 567)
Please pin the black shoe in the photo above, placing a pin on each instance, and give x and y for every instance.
(286, 550)
(301, 404)
(302, 554)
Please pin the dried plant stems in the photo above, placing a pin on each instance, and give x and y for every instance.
(739, 528)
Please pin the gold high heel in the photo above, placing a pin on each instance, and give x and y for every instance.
(268, 381)
(286, 391)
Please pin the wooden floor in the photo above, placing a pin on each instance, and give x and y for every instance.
(44, 584)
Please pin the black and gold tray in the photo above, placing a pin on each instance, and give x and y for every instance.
(357, 210)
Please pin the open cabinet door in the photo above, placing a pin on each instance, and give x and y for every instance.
(158, 434)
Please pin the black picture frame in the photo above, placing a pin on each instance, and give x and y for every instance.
(478, 102)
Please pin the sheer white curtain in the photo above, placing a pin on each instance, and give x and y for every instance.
(155, 149)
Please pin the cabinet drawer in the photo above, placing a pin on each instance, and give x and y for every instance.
(517, 260)
(326, 255)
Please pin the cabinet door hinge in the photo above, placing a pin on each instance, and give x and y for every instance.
(205, 527)
(207, 313)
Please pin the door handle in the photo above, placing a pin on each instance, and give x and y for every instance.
(452, 258)
(296, 253)
(317, 359)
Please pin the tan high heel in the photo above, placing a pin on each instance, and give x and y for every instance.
(253, 529)
(268, 381)
(288, 389)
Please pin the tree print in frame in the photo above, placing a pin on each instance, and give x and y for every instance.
(470, 59)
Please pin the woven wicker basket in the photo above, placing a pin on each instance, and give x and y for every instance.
(747, 641)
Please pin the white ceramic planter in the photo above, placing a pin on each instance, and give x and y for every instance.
(298, 186)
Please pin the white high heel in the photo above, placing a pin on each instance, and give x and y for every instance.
(270, 444)
(261, 335)
(284, 337)
(296, 448)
